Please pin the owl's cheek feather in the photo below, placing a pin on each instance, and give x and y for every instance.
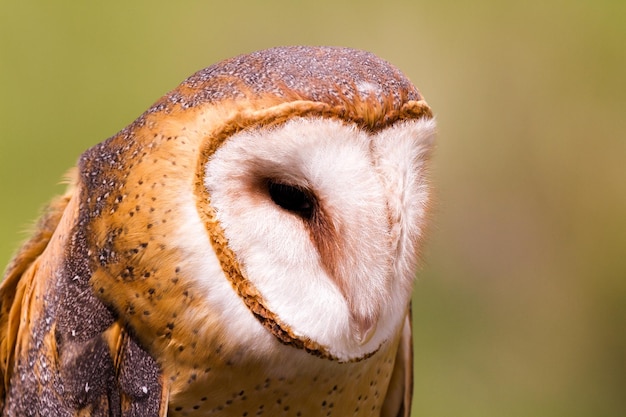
(330, 244)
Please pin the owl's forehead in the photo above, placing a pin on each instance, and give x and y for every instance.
(298, 133)
(356, 81)
(314, 73)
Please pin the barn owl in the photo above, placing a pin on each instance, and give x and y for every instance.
(248, 246)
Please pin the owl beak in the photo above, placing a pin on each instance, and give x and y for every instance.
(365, 327)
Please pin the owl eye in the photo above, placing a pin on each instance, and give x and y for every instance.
(290, 198)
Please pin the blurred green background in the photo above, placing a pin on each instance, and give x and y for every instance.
(521, 305)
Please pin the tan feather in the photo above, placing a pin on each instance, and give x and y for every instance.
(400, 392)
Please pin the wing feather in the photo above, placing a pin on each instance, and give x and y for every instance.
(12, 292)
(62, 352)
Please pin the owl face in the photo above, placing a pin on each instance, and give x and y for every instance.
(288, 206)
(325, 220)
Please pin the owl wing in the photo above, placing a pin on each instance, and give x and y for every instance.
(400, 392)
(62, 352)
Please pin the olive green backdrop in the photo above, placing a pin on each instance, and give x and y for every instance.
(520, 309)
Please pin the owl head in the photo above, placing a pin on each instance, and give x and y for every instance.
(276, 198)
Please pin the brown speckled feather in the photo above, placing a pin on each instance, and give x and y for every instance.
(62, 352)
(98, 313)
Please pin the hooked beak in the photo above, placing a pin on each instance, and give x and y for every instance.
(364, 328)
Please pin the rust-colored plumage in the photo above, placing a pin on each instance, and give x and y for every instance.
(99, 313)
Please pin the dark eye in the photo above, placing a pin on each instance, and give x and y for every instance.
(291, 198)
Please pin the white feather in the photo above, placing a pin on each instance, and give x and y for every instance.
(372, 188)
